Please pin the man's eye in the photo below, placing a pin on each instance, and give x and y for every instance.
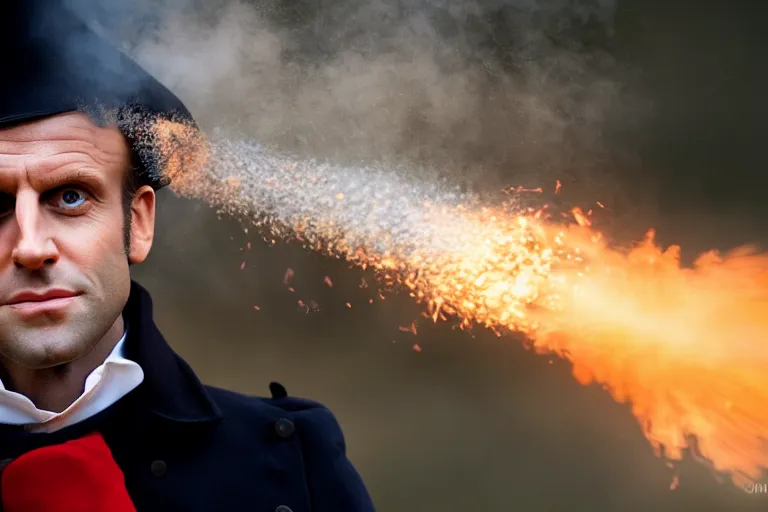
(70, 198)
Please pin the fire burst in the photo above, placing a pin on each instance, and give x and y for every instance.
(686, 347)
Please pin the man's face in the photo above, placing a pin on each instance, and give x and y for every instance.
(64, 276)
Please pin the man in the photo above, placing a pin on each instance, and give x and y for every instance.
(97, 413)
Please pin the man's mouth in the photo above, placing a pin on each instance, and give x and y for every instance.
(34, 302)
(41, 296)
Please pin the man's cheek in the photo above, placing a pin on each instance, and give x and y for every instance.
(99, 226)
(9, 235)
(91, 242)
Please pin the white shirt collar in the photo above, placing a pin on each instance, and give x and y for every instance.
(105, 385)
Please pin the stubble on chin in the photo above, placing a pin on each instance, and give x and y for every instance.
(47, 340)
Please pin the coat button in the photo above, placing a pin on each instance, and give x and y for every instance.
(283, 508)
(284, 428)
(277, 390)
(159, 468)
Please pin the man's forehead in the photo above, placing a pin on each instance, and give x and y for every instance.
(66, 139)
(70, 125)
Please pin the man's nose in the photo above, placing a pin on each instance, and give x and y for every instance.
(34, 248)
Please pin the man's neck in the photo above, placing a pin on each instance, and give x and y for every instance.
(54, 389)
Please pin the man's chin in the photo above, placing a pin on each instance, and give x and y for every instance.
(43, 345)
(43, 355)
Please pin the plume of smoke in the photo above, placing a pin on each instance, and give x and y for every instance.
(486, 92)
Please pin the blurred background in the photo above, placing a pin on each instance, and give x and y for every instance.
(656, 109)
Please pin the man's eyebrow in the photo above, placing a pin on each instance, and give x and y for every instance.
(58, 177)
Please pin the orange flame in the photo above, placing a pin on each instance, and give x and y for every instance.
(687, 347)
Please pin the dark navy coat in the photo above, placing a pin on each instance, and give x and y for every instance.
(184, 446)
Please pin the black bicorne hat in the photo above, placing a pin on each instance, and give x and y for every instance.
(53, 63)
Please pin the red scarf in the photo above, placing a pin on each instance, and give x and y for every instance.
(76, 476)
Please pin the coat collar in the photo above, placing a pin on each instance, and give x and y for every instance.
(170, 389)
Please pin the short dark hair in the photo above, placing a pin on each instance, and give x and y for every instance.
(146, 163)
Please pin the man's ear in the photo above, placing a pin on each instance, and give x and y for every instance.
(142, 224)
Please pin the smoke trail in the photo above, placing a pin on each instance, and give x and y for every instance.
(415, 231)
(369, 206)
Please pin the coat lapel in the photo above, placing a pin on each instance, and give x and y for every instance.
(170, 389)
